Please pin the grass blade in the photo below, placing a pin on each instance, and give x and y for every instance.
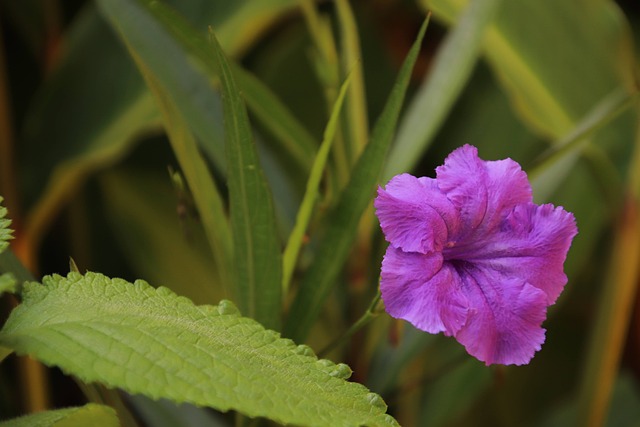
(343, 221)
(305, 211)
(257, 262)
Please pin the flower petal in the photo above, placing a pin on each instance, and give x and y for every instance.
(505, 318)
(532, 245)
(415, 215)
(483, 191)
(420, 289)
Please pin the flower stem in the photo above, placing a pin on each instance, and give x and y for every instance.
(372, 312)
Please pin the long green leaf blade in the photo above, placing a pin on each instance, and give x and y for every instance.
(343, 221)
(303, 217)
(257, 251)
(153, 342)
(89, 415)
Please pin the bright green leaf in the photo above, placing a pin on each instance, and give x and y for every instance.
(89, 415)
(303, 217)
(153, 342)
(5, 231)
(8, 282)
(342, 223)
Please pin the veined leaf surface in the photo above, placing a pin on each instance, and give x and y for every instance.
(153, 342)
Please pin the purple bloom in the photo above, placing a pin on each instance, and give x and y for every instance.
(472, 256)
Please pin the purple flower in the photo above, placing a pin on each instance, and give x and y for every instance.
(472, 256)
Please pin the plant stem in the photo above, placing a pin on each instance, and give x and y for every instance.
(372, 312)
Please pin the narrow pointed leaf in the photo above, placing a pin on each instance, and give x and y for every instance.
(258, 268)
(89, 415)
(303, 217)
(342, 223)
(153, 342)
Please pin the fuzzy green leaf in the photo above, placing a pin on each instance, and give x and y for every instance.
(7, 281)
(5, 231)
(153, 342)
(89, 415)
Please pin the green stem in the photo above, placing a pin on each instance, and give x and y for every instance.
(372, 312)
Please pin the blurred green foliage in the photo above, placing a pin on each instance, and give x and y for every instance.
(552, 84)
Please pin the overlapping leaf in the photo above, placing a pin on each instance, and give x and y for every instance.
(90, 414)
(153, 342)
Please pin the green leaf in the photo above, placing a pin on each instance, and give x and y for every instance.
(303, 217)
(256, 247)
(89, 415)
(342, 223)
(258, 260)
(452, 68)
(8, 282)
(5, 231)
(153, 342)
